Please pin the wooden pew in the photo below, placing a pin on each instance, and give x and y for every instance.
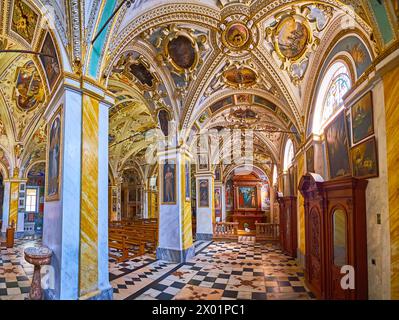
(118, 242)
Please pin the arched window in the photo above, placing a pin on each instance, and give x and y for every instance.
(288, 154)
(336, 83)
(275, 175)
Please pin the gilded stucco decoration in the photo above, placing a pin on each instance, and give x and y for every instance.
(294, 34)
(182, 49)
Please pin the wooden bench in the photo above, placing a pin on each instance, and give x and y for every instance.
(118, 242)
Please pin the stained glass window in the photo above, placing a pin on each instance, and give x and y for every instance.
(339, 85)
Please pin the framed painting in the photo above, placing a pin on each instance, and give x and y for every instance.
(362, 118)
(229, 194)
(337, 148)
(247, 197)
(217, 173)
(218, 198)
(203, 193)
(187, 179)
(168, 181)
(310, 159)
(24, 20)
(365, 159)
(202, 164)
(54, 157)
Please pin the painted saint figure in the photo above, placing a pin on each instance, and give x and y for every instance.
(54, 158)
(169, 180)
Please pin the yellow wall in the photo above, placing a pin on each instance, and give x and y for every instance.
(14, 198)
(391, 88)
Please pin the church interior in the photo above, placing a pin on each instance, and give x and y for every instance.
(199, 150)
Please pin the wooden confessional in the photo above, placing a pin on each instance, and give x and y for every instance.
(288, 225)
(335, 235)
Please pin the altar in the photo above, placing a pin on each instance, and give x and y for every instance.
(247, 205)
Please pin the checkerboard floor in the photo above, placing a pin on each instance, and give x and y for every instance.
(15, 272)
(219, 271)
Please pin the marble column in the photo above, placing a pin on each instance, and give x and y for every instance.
(205, 209)
(14, 205)
(175, 228)
(76, 219)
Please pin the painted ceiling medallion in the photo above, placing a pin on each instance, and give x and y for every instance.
(294, 34)
(236, 36)
(29, 91)
(132, 67)
(181, 49)
(239, 35)
(240, 76)
(292, 38)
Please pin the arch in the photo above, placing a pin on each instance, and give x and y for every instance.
(4, 171)
(261, 174)
(288, 154)
(335, 83)
(29, 168)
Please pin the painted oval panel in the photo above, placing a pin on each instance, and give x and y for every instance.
(292, 38)
(182, 52)
(240, 76)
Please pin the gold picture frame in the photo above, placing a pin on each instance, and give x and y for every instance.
(56, 195)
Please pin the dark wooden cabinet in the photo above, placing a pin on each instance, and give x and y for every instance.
(335, 236)
(288, 225)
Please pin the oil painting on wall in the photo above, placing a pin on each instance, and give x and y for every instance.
(362, 118)
(292, 37)
(229, 194)
(337, 148)
(364, 159)
(50, 61)
(247, 198)
(203, 193)
(310, 159)
(169, 182)
(54, 150)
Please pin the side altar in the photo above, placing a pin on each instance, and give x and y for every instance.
(247, 208)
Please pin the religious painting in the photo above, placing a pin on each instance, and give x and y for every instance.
(218, 172)
(240, 77)
(187, 173)
(29, 89)
(264, 102)
(142, 74)
(24, 21)
(243, 98)
(292, 38)
(168, 177)
(203, 193)
(50, 61)
(221, 104)
(337, 148)
(265, 195)
(202, 164)
(218, 198)
(310, 159)
(236, 36)
(163, 118)
(362, 118)
(247, 198)
(54, 149)
(229, 194)
(182, 52)
(365, 159)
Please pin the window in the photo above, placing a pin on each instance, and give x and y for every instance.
(31, 199)
(288, 154)
(336, 83)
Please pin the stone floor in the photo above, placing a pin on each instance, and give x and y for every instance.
(219, 271)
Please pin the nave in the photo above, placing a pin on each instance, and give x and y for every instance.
(219, 271)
